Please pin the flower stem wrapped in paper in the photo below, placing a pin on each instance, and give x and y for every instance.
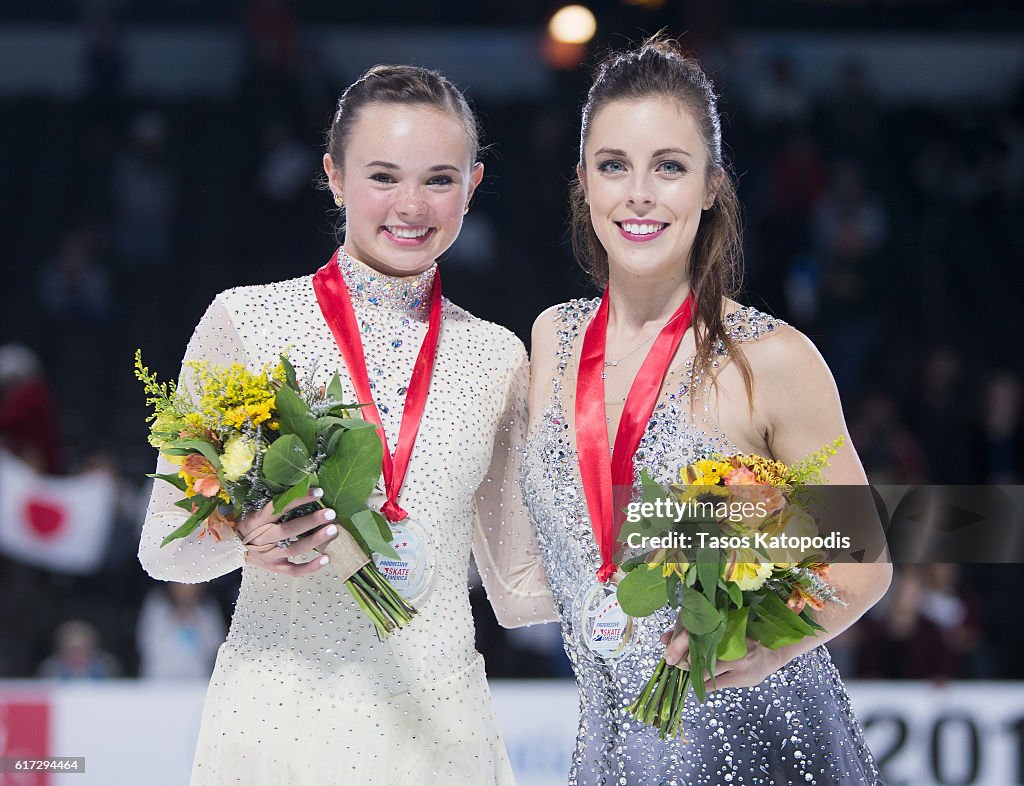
(243, 440)
(742, 574)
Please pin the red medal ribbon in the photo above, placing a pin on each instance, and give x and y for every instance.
(336, 305)
(608, 479)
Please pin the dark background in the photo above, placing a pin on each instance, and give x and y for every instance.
(883, 220)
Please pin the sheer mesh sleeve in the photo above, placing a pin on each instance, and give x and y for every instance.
(191, 560)
(504, 542)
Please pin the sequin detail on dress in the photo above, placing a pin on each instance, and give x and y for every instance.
(796, 727)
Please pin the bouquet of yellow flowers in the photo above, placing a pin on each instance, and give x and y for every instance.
(741, 561)
(242, 440)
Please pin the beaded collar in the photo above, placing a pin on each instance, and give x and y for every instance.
(407, 294)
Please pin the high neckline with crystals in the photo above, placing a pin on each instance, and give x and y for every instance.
(407, 294)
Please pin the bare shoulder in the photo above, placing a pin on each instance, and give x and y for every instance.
(797, 403)
(785, 358)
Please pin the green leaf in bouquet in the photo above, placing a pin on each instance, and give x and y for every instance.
(691, 575)
(187, 503)
(703, 656)
(648, 526)
(351, 424)
(326, 424)
(805, 615)
(633, 562)
(774, 624)
(175, 480)
(286, 461)
(770, 633)
(282, 500)
(294, 417)
(202, 512)
(698, 665)
(334, 390)
(773, 607)
(733, 591)
(734, 643)
(672, 585)
(642, 592)
(201, 446)
(289, 373)
(698, 614)
(348, 476)
(709, 570)
(374, 530)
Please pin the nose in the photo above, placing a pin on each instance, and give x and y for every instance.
(410, 202)
(641, 194)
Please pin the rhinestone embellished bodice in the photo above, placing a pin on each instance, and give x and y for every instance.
(796, 727)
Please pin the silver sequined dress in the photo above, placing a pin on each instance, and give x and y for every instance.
(796, 727)
(303, 693)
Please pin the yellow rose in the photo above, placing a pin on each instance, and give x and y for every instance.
(746, 570)
(237, 457)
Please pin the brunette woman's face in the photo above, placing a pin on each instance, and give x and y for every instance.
(644, 179)
(407, 178)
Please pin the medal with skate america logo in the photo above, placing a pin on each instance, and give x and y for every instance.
(607, 474)
(411, 573)
(601, 626)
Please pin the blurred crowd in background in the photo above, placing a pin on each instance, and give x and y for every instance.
(891, 233)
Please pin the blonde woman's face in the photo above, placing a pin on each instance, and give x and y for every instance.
(644, 179)
(407, 178)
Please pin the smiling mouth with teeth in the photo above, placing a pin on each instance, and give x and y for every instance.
(408, 233)
(641, 229)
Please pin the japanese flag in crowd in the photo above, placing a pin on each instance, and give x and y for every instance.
(58, 523)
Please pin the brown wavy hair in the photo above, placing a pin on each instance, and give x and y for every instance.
(658, 68)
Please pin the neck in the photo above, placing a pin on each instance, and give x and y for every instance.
(635, 302)
(373, 288)
(385, 269)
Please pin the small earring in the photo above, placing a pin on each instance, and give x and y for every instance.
(466, 211)
(339, 200)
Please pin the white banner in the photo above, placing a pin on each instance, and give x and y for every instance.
(968, 734)
(58, 523)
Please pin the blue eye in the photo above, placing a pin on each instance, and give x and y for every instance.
(672, 167)
(611, 166)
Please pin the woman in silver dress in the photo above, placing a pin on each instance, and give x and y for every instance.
(656, 224)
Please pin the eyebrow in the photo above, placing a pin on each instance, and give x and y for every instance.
(389, 165)
(612, 151)
(666, 150)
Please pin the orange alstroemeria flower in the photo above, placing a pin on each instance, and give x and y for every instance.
(200, 468)
(801, 596)
(218, 525)
(796, 602)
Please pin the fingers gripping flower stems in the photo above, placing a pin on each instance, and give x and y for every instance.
(379, 600)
